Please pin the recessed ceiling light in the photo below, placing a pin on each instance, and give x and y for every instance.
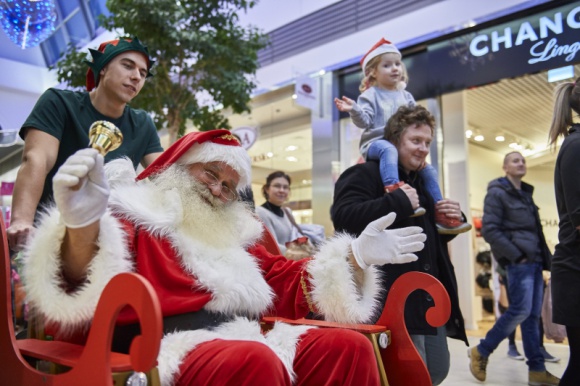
(294, 96)
(270, 154)
(478, 138)
(468, 134)
(291, 148)
(500, 138)
(291, 159)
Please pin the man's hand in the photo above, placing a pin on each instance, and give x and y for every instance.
(377, 245)
(18, 234)
(80, 188)
(411, 195)
(450, 208)
(345, 104)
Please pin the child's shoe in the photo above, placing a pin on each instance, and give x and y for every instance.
(419, 211)
(450, 226)
(391, 188)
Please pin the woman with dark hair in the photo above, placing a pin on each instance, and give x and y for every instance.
(276, 192)
(566, 260)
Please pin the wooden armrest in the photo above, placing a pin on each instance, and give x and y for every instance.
(362, 328)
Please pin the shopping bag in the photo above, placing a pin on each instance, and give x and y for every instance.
(553, 331)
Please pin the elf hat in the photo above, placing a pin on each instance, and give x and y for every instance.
(107, 51)
(383, 46)
(204, 146)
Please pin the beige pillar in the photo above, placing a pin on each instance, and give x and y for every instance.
(456, 186)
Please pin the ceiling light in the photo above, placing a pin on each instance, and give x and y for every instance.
(294, 96)
(291, 159)
(270, 154)
(478, 138)
(321, 72)
(500, 138)
(468, 134)
(527, 152)
(291, 148)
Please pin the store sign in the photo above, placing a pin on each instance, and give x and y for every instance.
(306, 90)
(247, 135)
(535, 43)
(544, 37)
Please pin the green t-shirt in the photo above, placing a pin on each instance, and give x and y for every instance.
(68, 115)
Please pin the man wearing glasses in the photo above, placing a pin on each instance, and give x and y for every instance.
(179, 224)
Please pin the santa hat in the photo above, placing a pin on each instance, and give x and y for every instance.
(383, 46)
(205, 146)
(107, 51)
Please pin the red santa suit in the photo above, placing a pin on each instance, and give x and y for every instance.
(219, 268)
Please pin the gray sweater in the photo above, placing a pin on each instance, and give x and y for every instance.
(280, 227)
(373, 109)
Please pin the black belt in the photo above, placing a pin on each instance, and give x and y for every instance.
(123, 335)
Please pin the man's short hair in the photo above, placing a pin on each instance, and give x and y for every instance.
(404, 117)
(505, 158)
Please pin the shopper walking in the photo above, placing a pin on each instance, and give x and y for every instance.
(511, 225)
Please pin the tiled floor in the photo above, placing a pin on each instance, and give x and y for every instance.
(501, 370)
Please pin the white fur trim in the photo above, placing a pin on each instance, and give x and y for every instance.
(155, 211)
(226, 270)
(229, 273)
(235, 156)
(282, 339)
(335, 294)
(42, 268)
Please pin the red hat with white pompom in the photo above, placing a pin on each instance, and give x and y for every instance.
(205, 146)
(383, 46)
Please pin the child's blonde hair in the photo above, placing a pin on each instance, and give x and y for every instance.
(369, 81)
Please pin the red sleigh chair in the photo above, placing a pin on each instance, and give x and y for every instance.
(398, 361)
(93, 363)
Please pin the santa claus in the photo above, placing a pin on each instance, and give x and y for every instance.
(180, 224)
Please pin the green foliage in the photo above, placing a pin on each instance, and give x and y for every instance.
(204, 59)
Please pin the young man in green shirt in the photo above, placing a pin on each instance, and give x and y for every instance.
(58, 126)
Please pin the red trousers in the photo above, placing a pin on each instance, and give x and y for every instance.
(323, 357)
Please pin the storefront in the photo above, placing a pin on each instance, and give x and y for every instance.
(490, 87)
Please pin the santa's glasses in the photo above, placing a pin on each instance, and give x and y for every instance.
(212, 180)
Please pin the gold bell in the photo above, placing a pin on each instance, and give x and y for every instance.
(105, 137)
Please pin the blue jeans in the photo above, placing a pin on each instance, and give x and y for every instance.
(388, 157)
(525, 292)
(435, 353)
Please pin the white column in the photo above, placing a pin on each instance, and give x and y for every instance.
(324, 152)
(456, 186)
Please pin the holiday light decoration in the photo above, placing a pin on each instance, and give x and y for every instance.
(27, 22)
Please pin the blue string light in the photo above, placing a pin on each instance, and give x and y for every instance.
(27, 22)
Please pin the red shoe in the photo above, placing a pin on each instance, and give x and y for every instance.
(393, 187)
(450, 226)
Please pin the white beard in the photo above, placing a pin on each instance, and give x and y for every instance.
(204, 216)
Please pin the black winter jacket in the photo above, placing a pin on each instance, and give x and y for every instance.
(511, 224)
(359, 199)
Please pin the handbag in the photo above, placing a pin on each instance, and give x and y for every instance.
(301, 246)
(553, 331)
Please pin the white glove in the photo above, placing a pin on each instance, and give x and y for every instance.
(80, 188)
(377, 245)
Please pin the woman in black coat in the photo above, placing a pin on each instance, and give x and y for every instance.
(566, 260)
